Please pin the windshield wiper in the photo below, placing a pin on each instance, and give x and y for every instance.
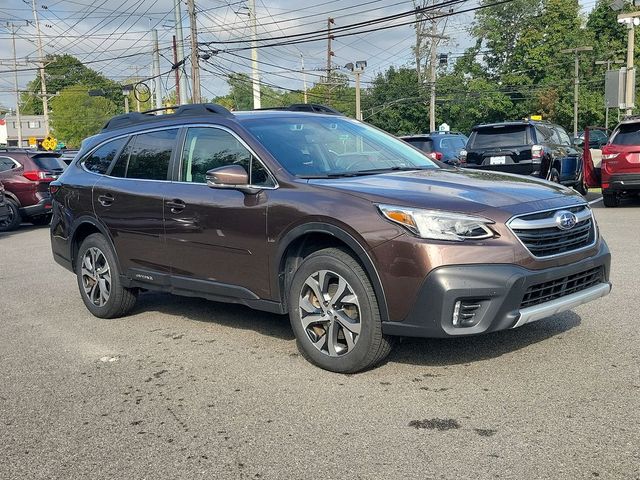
(390, 169)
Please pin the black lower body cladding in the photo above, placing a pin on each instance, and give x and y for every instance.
(486, 298)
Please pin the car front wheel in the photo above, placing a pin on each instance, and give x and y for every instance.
(13, 220)
(99, 280)
(335, 315)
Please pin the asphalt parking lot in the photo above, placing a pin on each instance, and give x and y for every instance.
(187, 388)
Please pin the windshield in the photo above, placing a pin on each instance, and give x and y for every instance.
(320, 146)
(47, 162)
(450, 146)
(628, 134)
(499, 136)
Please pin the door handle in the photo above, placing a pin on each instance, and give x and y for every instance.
(106, 200)
(176, 205)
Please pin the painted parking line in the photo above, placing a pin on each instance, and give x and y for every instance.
(595, 201)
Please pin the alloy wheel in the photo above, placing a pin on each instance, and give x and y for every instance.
(96, 276)
(330, 313)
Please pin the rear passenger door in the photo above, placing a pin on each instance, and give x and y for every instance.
(130, 202)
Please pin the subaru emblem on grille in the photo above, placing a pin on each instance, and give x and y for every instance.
(565, 220)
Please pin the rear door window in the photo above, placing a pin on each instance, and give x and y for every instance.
(147, 156)
(628, 134)
(49, 163)
(500, 136)
(100, 160)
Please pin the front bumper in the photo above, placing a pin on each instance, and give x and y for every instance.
(500, 293)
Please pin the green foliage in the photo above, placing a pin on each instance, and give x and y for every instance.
(75, 115)
(62, 71)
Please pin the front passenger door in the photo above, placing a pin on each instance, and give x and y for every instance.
(216, 238)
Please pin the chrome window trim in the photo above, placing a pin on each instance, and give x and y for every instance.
(15, 162)
(563, 254)
(243, 143)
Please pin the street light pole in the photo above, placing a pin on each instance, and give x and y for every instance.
(357, 70)
(576, 83)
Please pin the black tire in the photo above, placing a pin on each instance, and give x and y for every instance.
(611, 200)
(554, 176)
(581, 187)
(13, 221)
(41, 220)
(120, 300)
(370, 346)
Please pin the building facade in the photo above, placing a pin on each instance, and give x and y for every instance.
(32, 127)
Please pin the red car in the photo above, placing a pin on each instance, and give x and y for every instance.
(616, 167)
(26, 175)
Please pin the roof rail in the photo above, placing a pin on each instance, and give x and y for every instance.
(133, 118)
(306, 107)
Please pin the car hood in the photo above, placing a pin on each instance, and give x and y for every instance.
(458, 190)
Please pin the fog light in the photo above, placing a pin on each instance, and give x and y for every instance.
(464, 313)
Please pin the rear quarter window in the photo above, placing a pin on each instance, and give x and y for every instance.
(101, 158)
(628, 134)
(499, 136)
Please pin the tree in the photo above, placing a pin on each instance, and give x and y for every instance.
(75, 115)
(62, 71)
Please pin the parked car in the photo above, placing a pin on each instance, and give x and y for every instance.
(355, 234)
(67, 155)
(535, 148)
(4, 209)
(26, 175)
(616, 166)
(598, 137)
(442, 146)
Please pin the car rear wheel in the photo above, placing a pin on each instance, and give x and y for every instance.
(554, 176)
(13, 220)
(611, 200)
(99, 280)
(335, 315)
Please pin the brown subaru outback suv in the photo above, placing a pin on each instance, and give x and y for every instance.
(355, 234)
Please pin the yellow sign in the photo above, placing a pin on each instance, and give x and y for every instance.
(33, 141)
(536, 117)
(49, 143)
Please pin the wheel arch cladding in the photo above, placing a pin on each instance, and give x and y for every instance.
(84, 228)
(308, 238)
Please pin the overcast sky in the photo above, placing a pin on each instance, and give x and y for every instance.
(104, 31)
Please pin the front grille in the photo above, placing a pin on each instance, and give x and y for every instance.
(560, 287)
(539, 233)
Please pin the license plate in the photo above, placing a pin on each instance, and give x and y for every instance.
(501, 160)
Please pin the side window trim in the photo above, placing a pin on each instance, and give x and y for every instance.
(13, 162)
(254, 157)
(86, 156)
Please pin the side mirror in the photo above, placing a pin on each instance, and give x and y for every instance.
(232, 177)
(578, 142)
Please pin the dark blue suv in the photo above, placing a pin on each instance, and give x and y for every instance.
(526, 147)
(442, 146)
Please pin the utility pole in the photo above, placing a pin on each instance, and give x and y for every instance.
(606, 107)
(135, 93)
(330, 21)
(304, 77)
(576, 82)
(195, 57)
(432, 77)
(181, 85)
(156, 69)
(631, 20)
(255, 73)
(177, 71)
(15, 84)
(43, 82)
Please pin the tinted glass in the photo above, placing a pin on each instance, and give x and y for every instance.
(423, 144)
(148, 156)
(450, 146)
(562, 136)
(544, 134)
(101, 158)
(208, 148)
(628, 134)
(49, 163)
(500, 136)
(6, 164)
(322, 145)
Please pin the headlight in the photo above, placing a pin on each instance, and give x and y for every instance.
(439, 225)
